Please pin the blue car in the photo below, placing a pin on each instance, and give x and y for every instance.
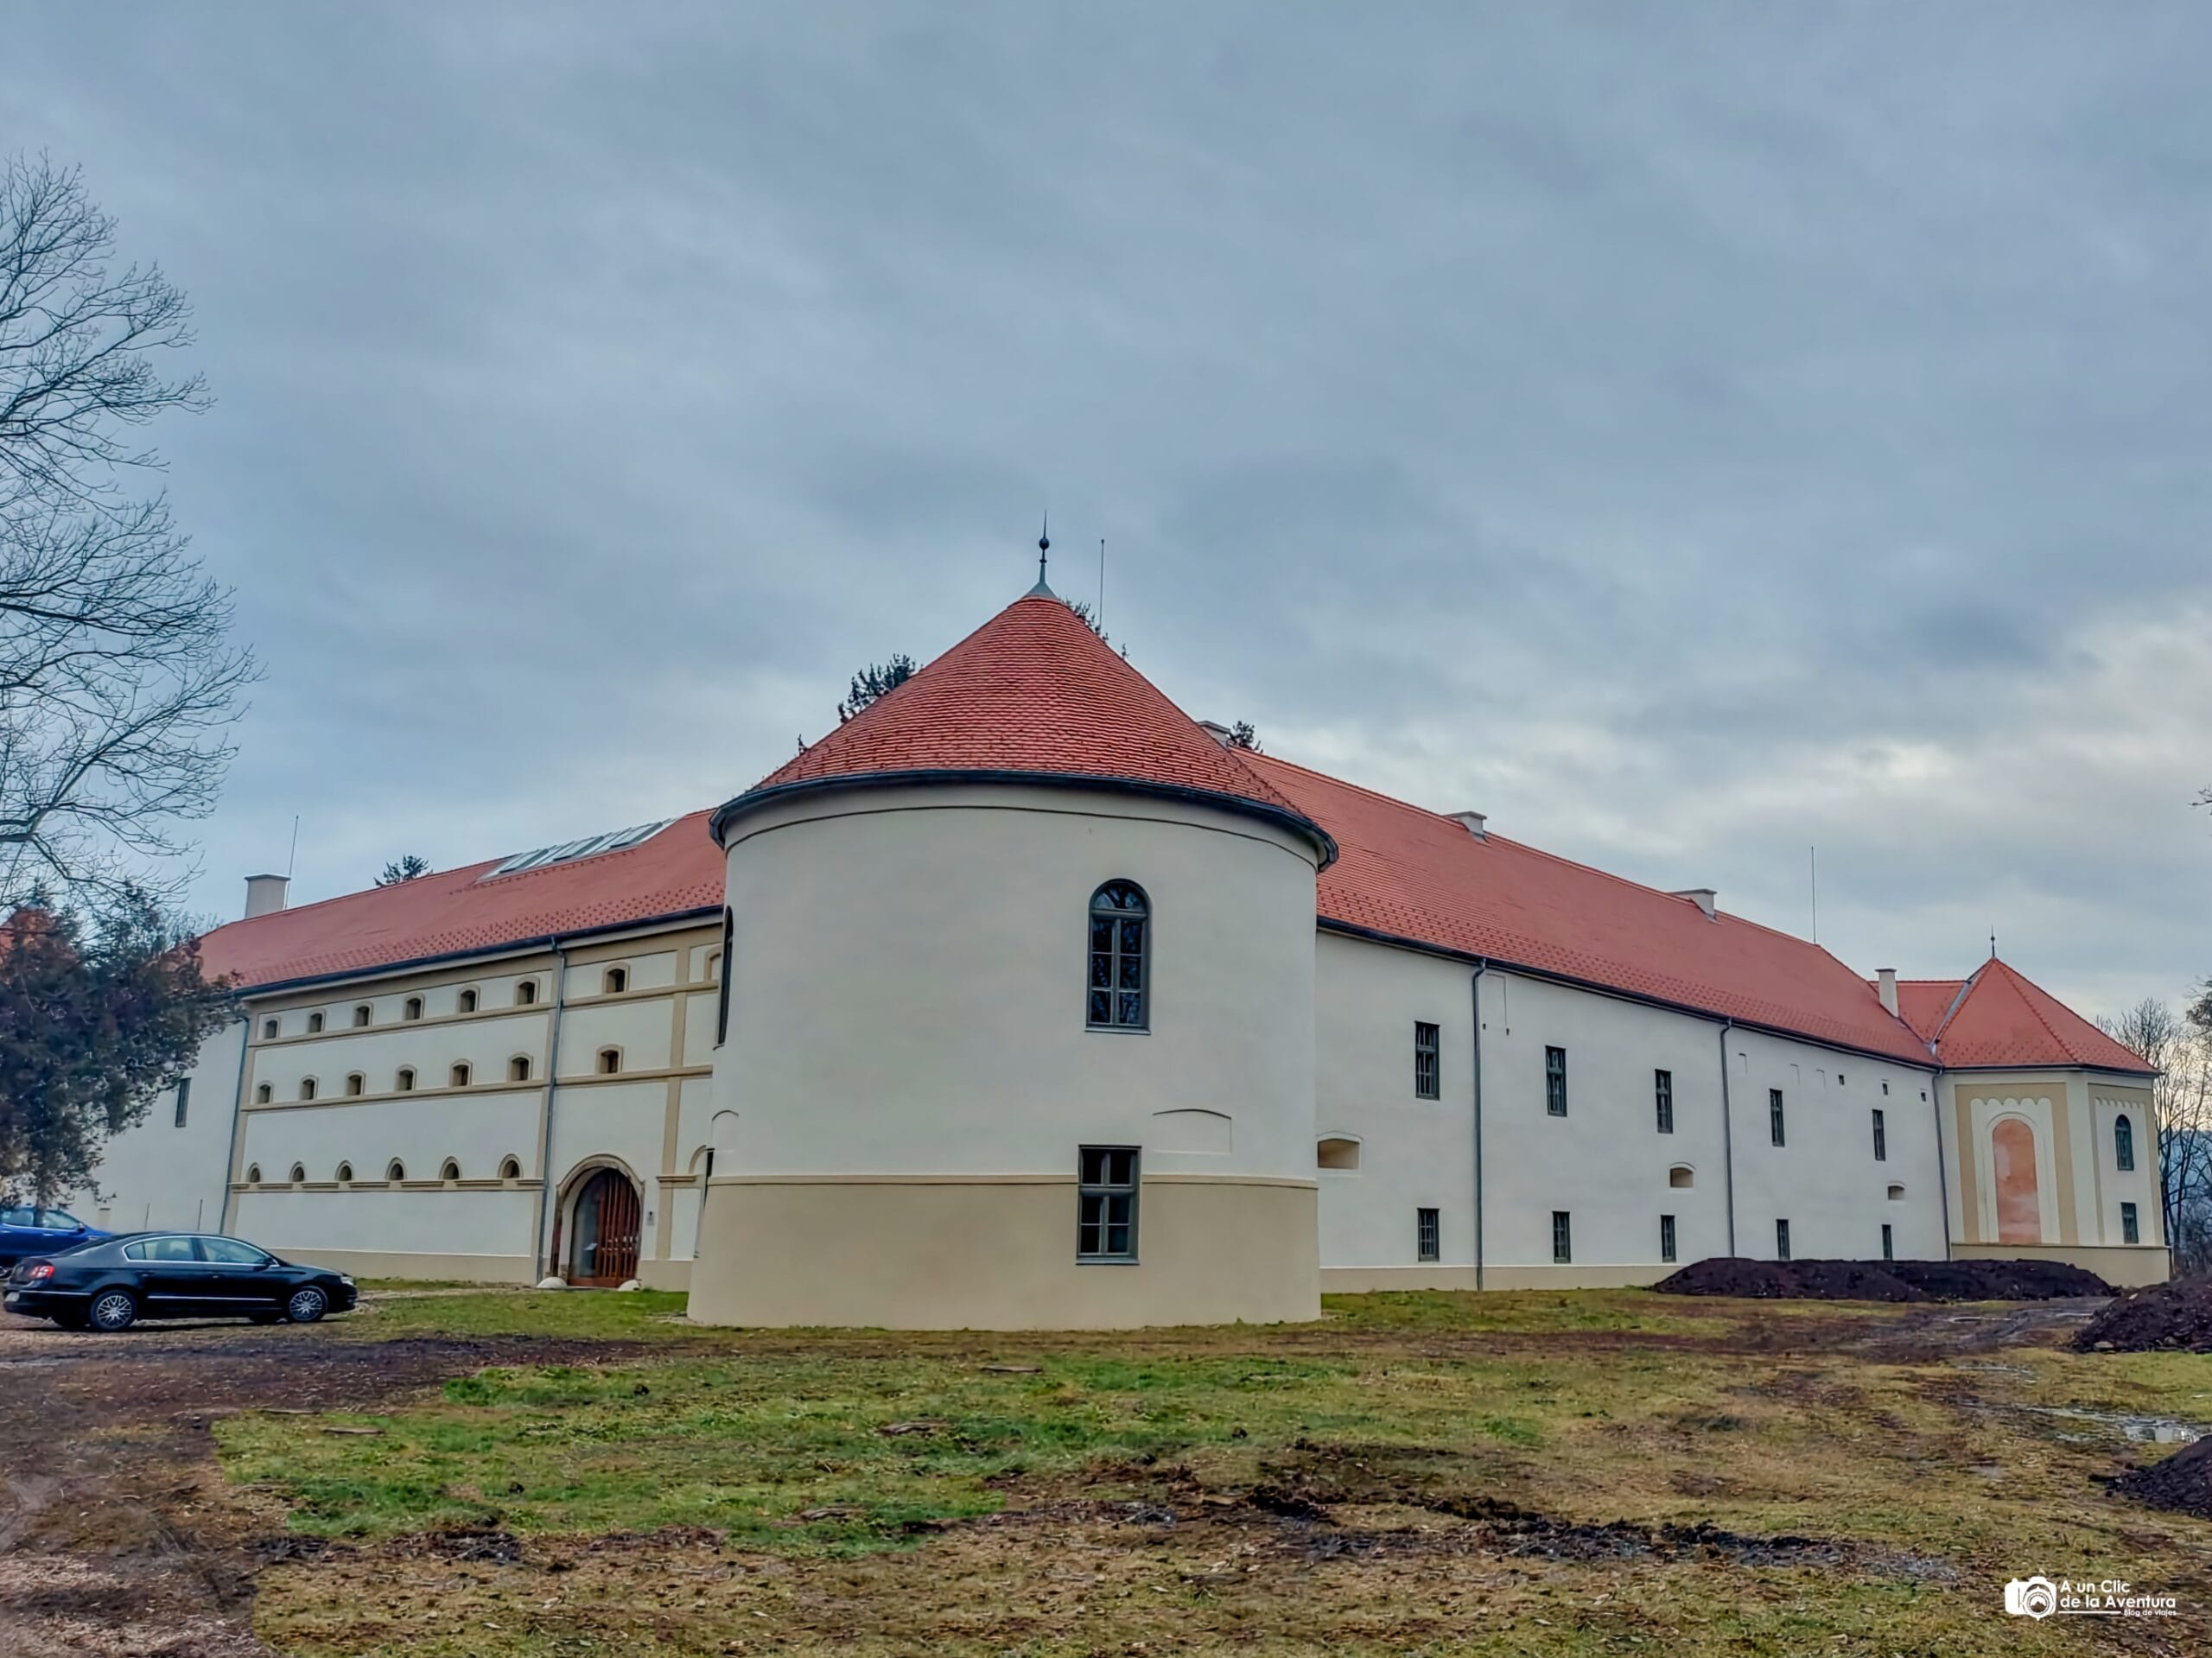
(42, 1232)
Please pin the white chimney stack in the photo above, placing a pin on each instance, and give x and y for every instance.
(265, 894)
(1885, 979)
(1473, 822)
(1704, 897)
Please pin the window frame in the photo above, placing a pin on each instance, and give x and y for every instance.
(183, 1102)
(364, 1015)
(1778, 1119)
(2131, 1224)
(1881, 1136)
(1662, 1099)
(1554, 1081)
(1103, 1191)
(1428, 1234)
(1118, 917)
(1782, 1251)
(411, 1009)
(1428, 1060)
(1889, 1241)
(1562, 1237)
(2123, 1143)
(1669, 1240)
(721, 980)
(615, 980)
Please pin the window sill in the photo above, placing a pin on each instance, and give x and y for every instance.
(1106, 1261)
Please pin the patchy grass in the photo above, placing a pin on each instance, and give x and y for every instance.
(1433, 1473)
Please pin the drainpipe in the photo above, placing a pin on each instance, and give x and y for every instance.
(238, 1117)
(1942, 1170)
(1727, 1139)
(1475, 990)
(545, 1193)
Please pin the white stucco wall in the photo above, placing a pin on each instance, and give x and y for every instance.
(444, 1223)
(432, 1047)
(477, 1129)
(159, 1175)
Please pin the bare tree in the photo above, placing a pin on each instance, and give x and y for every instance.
(118, 682)
(2180, 1046)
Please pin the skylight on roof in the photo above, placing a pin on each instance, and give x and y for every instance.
(590, 847)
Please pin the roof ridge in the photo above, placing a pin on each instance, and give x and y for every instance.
(2016, 980)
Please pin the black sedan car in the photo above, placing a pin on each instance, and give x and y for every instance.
(112, 1284)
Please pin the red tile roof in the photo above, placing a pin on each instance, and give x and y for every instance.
(2004, 1019)
(1034, 690)
(1416, 875)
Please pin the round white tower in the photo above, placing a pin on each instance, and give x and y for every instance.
(1019, 1013)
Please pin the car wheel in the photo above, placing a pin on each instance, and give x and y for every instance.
(306, 1305)
(114, 1310)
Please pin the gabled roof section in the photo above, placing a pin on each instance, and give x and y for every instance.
(1925, 1004)
(2005, 1019)
(457, 913)
(1416, 875)
(1033, 693)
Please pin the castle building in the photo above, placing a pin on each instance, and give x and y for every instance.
(1023, 999)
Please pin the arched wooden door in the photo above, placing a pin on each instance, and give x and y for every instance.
(603, 1243)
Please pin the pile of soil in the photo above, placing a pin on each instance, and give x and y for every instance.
(2183, 1482)
(1883, 1280)
(2174, 1315)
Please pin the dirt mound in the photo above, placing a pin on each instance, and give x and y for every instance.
(1883, 1280)
(2175, 1315)
(2181, 1482)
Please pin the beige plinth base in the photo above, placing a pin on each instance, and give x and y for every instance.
(998, 1253)
(2123, 1266)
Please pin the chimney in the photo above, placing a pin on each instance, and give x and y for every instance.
(1473, 822)
(265, 894)
(1703, 897)
(1886, 979)
(1216, 730)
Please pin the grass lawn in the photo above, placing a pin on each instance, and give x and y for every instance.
(1589, 1472)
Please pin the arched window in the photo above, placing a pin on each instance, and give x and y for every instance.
(263, 1094)
(1896, 1193)
(610, 1061)
(510, 1168)
(253, 1174)
(268, 1029)
(307, 1088)
(714, 966)
(460, 1076)
(526, 993)
(315, 1024)
(616, 981)
(468, 1001)
(1681, 1175)
(355, 1082)
(345, 1174)
(299, 1174)
(1120, 922)
(519, 1069)
(361, 1015)
(2123, 1142)
(1336, 1153)
(395, 1171)
(404, 1082)
(449, 1170)
(413, 1009)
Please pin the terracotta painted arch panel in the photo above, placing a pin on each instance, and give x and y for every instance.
(2019, 1205)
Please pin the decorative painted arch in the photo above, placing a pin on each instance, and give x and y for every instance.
(2013, 1171)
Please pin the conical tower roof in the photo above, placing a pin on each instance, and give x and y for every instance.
(1033, 695)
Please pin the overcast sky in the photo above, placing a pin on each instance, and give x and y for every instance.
(1688, 434)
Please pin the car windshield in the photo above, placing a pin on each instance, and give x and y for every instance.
(59, 1220)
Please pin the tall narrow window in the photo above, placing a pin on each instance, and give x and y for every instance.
(1106, 1204)
(1119, 927)
(361, 1015)
(307, 1088)
(1562, 1236)
(412, 1008)
(721, 992)
(1881, 1139)
(355, 1082)
(315, 1024)
(1774, 1116)
(2123, 1143)
(1427, 1235)
(1781, 1240)
(183, 1099)
(1666, 1238)
(1428, 1065)
(268, 1029)
(2130, 1232)
(1662, 1095)
(404, 1081)
(1555, 1081)
(467, 1001)
(1889, 1241)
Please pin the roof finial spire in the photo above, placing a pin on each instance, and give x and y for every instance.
(1993, 943)
(1044, 546)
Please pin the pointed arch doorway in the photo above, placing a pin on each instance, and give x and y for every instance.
(602, 1226)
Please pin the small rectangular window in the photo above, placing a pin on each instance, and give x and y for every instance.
(1427, 1078)
(1881, 1139)
(1106, 1204)
(1666, 1238)
(1774, 1115)
(1662, 1094)
(1555, 1081)
(183, 1099)
(1427, 1235)
(2130, 1232)
(1781, 1240)
(1889, 1241)
(1562, 1236)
